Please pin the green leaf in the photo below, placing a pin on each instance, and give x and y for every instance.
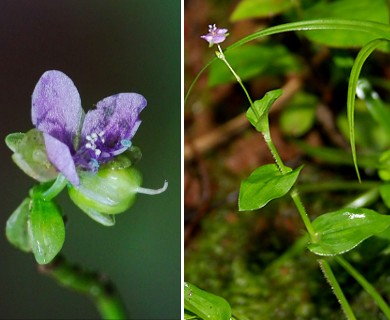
(298, 116)
(16, 228)
(30, 155)
(46, 230)
(257, 114)
(263, 185)
(251, 61)
(204, 304)
(337, 156)
(370, 10)
(384, 166)
(384, 191)
(343, 230)
(260, 9)
(360, 26)
(364, 53)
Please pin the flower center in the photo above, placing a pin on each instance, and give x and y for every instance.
(94, 139)
(97, 149)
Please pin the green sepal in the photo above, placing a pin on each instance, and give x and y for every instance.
(257, 114)
(340, 231)
(46, 230)
(109, 191)
(204, 304)
(127, 159)
(13, 140)
(265, 184)
(107, 220)
(30, 155)
(16, 227)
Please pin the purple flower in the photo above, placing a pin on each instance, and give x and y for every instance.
(75, 141)
(215, 35)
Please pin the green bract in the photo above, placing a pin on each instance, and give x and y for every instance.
(46, 230)
(340, 231)
(257, 114)
(37, 226)
(109, 191)
(16, 227)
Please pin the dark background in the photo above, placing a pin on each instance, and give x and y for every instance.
(105, 47)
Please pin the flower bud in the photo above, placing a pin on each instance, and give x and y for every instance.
(109, 191)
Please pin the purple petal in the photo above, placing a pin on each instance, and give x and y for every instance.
(56, 107)
(59, 155)
(116, 117)
(215, 35)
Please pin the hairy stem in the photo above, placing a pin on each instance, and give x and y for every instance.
(96, 286)
(365, 284)
(328, 273)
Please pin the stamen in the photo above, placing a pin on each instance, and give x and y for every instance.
(126, 143)
(153, 191)
(94, 164)
(101, 134)
(119, 151)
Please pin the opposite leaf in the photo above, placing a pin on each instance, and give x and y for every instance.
(46, 230)
(16, 228)
(257, 114)
(340, 231)
(263, 185)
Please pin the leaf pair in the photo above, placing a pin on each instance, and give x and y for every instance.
(37, 226)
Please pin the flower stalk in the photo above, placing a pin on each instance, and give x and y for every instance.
(96, 286)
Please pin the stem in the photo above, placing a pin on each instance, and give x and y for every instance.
(328, 273)
(279, 162)
(302, 212)
(221, 56)
(365, 284)
(294, 192)
(100, 289)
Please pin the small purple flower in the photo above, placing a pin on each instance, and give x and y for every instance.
(215, 35)
(75, 141)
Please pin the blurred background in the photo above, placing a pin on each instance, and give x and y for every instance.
(105, 47)
(257, 260)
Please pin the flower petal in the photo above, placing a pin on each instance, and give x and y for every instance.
(117, 117)
(60, 156)
(56, 107)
